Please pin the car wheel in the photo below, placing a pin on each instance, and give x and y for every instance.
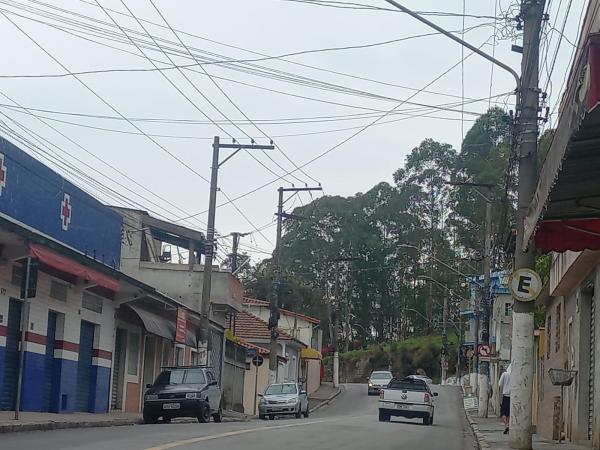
(307, 412)
(431, 420)
(299, 412)
(262, 416)
(383, 416)
(218, 416)
(426, 420)
(150, 418)
(204, 413)
(271, 417)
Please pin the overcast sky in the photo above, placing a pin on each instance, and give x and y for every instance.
(235, 29)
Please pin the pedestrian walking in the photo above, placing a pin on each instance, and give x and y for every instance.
(504, 389)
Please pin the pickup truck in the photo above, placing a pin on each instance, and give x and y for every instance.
(407, 397)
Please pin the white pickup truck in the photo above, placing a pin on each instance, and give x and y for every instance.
(407, 397)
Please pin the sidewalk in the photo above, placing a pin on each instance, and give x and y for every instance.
(323, 396)
(489, 435)
(32, 421)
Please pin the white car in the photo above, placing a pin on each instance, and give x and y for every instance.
(407, 397)
(426, 379)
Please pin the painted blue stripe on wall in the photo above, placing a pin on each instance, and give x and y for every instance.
(64, 384)
(2, 364)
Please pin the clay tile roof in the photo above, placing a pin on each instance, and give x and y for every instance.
(248, 345)
(257, 302)
(248, 327)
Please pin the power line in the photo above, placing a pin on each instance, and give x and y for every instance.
(92, 91)
(352, 136)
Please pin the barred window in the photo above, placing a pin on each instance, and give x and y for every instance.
(91, 302)
(58, 290)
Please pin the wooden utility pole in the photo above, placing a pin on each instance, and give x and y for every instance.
(204, 306)
(275, 300)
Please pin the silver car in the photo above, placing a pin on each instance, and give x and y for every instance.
(378, 381)
(283, 399)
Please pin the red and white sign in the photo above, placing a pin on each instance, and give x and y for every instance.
(484, 350)
(65, 212)
(180, 329)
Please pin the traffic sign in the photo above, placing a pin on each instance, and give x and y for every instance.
(525, 285)
(484, 350)
(258, 361)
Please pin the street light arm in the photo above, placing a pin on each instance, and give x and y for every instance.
(460, 41)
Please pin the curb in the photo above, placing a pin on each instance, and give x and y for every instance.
(49, 426)
(479, 438)
(328, 400)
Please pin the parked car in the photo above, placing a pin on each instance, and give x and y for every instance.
(407, 397)
(185, 391)
(425, 378)
(378, 380)
(283, 399)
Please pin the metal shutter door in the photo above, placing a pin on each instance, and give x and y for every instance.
(11, 356)
(115, 398)
(216, 354)
(84, 367)
(592, 365)
(49, 359)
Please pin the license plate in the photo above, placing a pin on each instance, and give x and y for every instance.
(400, 406)
(171, 405)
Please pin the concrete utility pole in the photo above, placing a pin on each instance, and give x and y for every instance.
(275, 300)
(204, 306)
(482, 326)
(445, 340)
(523, 321)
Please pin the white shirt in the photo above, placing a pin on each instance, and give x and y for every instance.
(504, 384)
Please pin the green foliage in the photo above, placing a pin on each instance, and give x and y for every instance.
(402, 236)
(543, 263)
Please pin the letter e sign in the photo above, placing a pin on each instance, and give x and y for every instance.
(525, 285)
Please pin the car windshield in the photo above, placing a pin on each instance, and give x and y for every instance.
(277, 389)
(408, 384)
(180, 376)
(381, 376)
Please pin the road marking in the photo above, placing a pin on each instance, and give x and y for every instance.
(229, 434)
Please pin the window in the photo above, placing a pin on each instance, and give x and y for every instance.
(170, 377)
(58, 290)
(548, 335)
(133, 353)
(194, 358)
(210, 376)
(408, 384)
(179, 356)
(276, 389)
(557, 325)
(16, 276)
(195, 377)
(91, 302)
(507, 309)
(165, 353)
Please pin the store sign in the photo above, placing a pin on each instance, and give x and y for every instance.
(180, 330)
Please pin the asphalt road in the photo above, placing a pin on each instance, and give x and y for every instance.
(350, 422)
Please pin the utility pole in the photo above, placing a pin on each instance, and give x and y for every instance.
(336, 331)
(523, 320)
(484, 384)
(234, 250)
(482, 326)
(445, 340)
(204, 306)
(275, 300)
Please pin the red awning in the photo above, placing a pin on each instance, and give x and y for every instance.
(562, 235)
(66, 265)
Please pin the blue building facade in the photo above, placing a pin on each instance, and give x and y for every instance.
(70, 322)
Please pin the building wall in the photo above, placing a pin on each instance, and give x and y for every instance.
(250, 381)
(63, 374)
(304, 329)
(33, 194)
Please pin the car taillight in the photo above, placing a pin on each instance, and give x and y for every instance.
(381, 394)
(427, 397)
